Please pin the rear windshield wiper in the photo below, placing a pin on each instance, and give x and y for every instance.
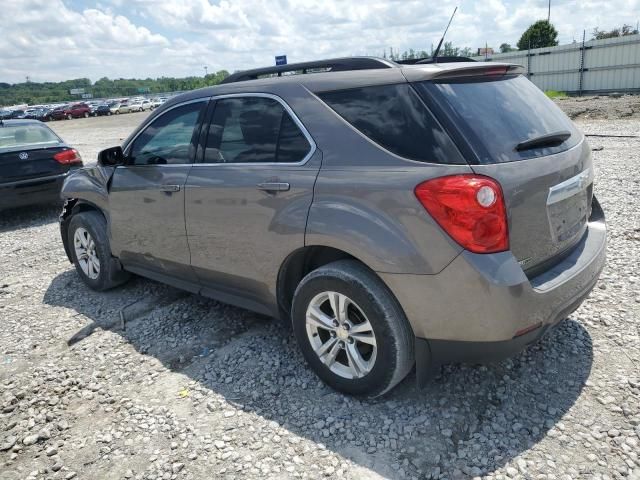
(548, 140)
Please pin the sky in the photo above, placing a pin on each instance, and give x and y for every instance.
(51, 40)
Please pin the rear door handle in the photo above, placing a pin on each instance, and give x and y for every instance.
(169, 188)
(274, 186)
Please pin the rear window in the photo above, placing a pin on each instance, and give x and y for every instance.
(28, 135)
(394, 117)
(496, 114)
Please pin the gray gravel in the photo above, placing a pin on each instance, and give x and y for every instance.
(194, 389)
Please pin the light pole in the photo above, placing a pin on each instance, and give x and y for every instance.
(549, 12)
(205, 70)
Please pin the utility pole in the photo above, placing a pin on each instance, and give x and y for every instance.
(549, 12)
(205, 70)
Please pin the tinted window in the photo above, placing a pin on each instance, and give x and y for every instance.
(253, 130)
(395, 118)
(494, 115)
(168, 139)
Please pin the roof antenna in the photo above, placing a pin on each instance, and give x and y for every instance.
(435, 54)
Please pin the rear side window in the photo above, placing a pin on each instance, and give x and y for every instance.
(496, 114)
(254, 130)
(394, 117)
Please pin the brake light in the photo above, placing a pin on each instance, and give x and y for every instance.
(68, 157)
(470, 208)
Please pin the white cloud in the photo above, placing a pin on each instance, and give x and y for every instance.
(50, 40)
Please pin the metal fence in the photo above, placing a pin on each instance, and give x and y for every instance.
(589, 67)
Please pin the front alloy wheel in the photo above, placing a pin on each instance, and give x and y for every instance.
(85, 249)
(341, 335)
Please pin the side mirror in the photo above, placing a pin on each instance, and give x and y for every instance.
(111, 157)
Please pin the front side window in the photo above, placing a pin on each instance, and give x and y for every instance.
(254, 130)
(167, 140)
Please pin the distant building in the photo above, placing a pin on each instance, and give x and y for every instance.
(485, 51)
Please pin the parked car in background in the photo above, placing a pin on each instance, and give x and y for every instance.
(392, 215)
(40, 113)
(5, 114)
(136, 106)
(100, 110)
(17, 114)
(58, 113)
(156, 102)
(120, 107)
(146, 104)
(74, 110)
(34, 162)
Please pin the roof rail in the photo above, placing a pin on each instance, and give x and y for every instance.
(331, 65)
(422, 61)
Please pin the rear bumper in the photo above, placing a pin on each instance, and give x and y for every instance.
(480, 306)
(31, 192)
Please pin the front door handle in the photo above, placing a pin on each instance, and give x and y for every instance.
(274, 186)
(169, 188)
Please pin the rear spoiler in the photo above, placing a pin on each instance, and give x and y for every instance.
(462, 70)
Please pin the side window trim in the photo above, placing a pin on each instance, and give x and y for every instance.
(287, 108)
(194, 137)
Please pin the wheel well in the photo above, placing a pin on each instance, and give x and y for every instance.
(72, 207)
(297, 266)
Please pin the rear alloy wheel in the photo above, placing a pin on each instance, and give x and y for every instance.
(86, 115)
(90, 251)
(351, 329)
(69, 117)
(345, 328)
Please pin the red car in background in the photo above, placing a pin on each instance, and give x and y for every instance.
(74, 110)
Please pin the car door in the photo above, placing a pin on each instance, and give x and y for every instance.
(146, 196)
(248, 197)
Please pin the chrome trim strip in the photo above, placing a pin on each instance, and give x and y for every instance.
(296, 120)
(570, 187)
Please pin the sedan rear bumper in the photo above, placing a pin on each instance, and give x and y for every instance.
(32, 191)
(483, 307)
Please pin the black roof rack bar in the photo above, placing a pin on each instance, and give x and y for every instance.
(333, 65)
(422, 61)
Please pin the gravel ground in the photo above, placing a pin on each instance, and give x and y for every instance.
(194, 389)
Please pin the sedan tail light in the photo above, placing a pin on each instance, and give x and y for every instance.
(470, 208)
(68, 157)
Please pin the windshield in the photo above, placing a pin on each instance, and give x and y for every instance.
(28, 135)
(495, 115)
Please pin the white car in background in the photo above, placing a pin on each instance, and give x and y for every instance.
(139, 105)
(156, 102)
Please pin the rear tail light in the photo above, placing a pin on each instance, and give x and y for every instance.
(68, 157)
(470, 208)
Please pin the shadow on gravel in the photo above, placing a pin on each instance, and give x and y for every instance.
(468, 422)
(27, 217)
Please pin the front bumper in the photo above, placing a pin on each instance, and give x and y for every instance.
(476, 309)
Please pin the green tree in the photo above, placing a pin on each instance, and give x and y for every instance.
(505, 47)
(616, 32)
(539, 35)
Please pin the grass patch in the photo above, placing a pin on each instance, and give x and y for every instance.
(555, 94)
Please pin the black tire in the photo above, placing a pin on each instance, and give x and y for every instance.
(110, 275)
(393, 334)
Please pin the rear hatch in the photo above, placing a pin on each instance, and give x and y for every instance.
(26, 152)
(509, 130)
